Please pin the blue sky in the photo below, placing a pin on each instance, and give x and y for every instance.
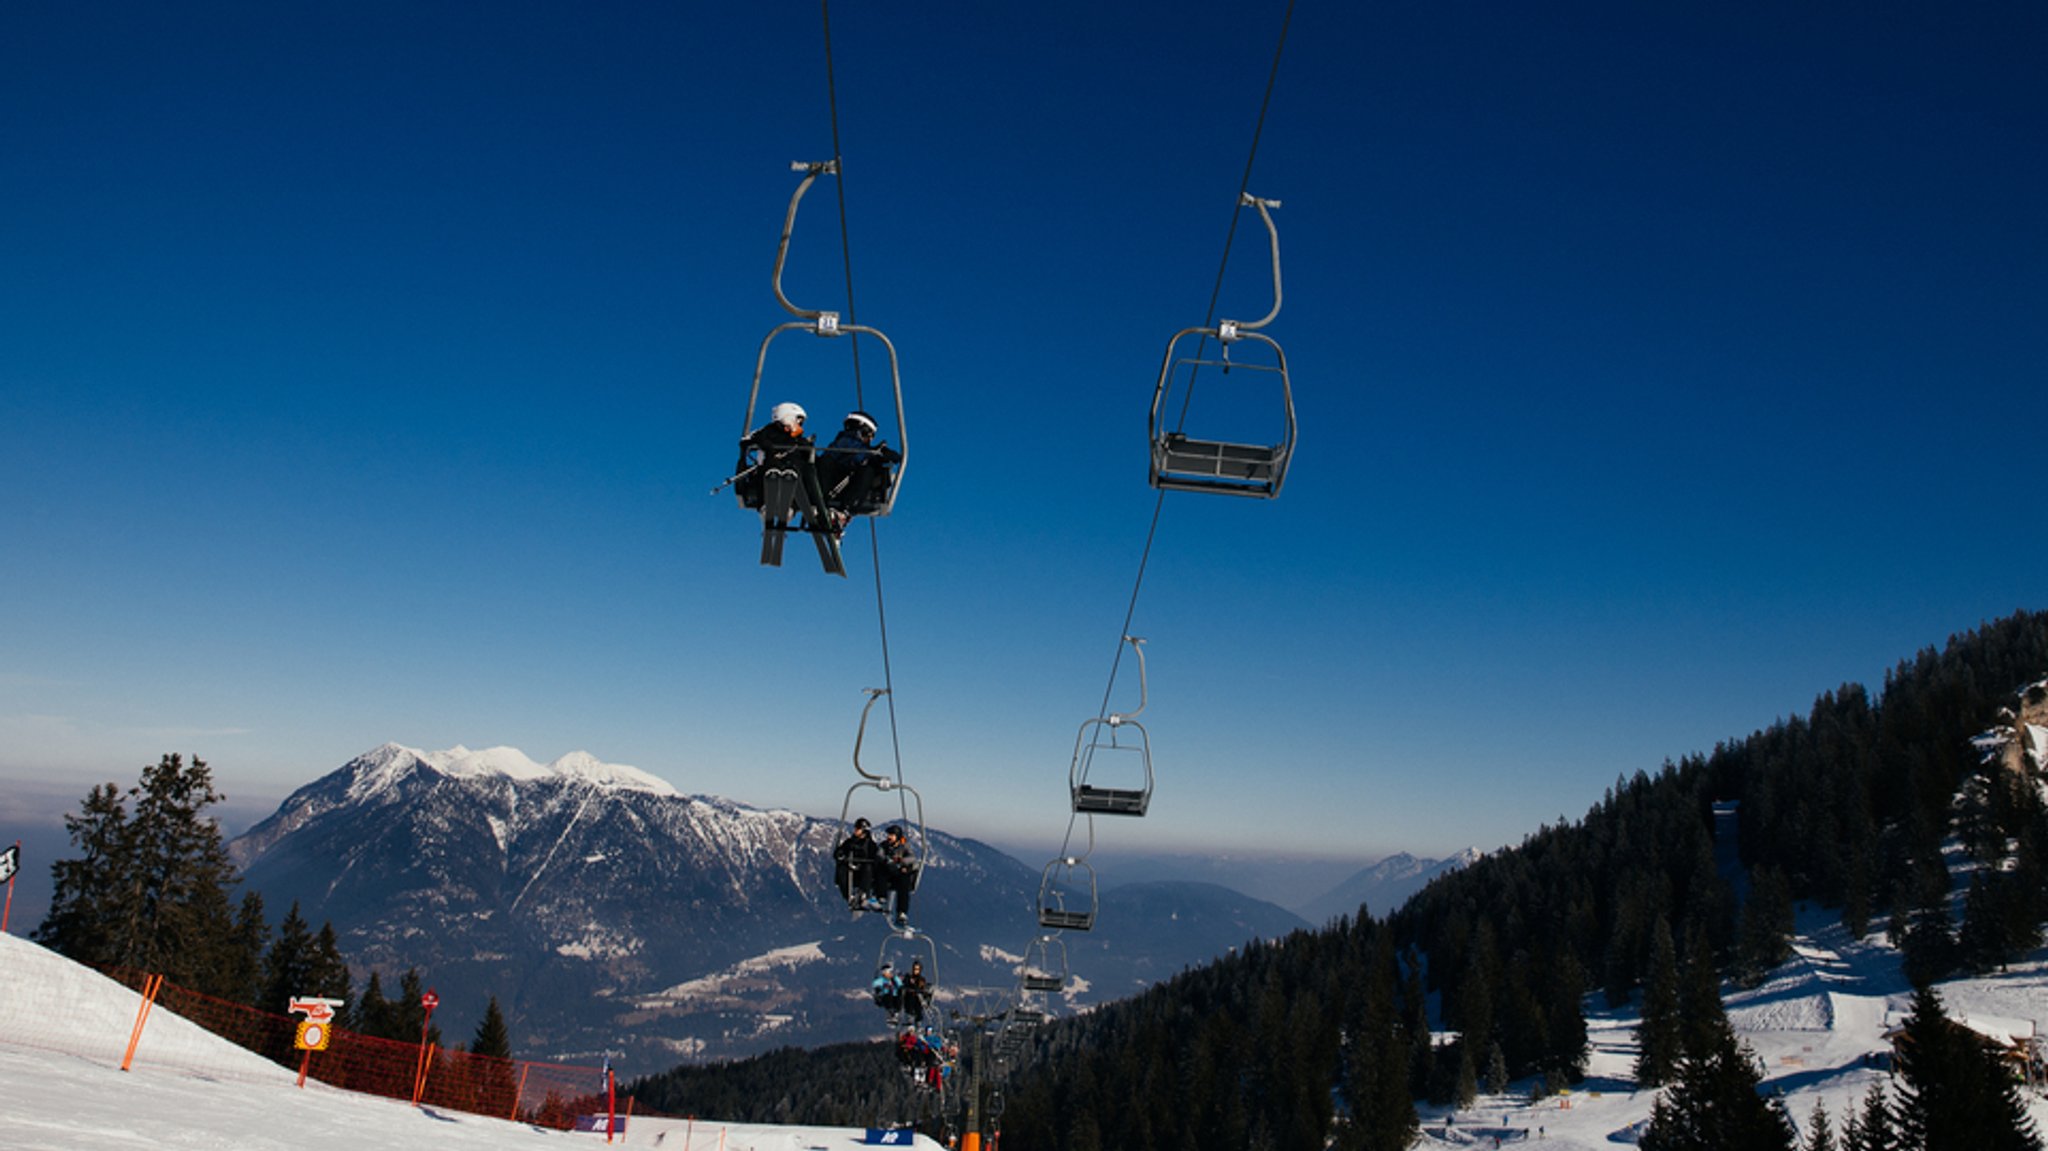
(364, 372)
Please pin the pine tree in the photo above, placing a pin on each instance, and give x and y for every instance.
(1382, 1113)
(288, 967)
(1701, 1016)
(491, 1037)
(409, 1013)
(494, 1085)
(152, 890)
(86, 900)
(1856, 893)
(1566, 1046)
(1714, 1106)
(1823, 1137)
(1928, 950)
(180, 917)
(1876, 1130)
(1767, 927)
(375, 1015)
(326, 972)
(1955, 1094)
(1980, 942)
(1660, 1034)
(242, 957)
(1415, 1025)
(1496, 1080)
(1467, 1088)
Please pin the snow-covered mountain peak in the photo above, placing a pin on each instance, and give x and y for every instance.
(585, 766)
(381, 768)
(461, 763)
(389, 764)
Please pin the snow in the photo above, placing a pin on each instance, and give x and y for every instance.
(1811, 1025)
(63, 1030)
(718, 987)
(385, 766)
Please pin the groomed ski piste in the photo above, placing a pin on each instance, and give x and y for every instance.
(1817, 1026)
(64, 1029)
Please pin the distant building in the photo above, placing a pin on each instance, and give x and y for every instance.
(2015, 1041)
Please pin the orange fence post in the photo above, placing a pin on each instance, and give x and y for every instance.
(419, 1074)
(519, 1091)
(429, 1001)
(149, 990)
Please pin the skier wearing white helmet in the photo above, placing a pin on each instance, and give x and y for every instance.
(783, 444)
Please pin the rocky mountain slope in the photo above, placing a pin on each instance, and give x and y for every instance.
(608, 912)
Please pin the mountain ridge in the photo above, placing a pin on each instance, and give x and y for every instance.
(577, 897)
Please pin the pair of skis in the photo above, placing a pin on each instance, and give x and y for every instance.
(784, 494)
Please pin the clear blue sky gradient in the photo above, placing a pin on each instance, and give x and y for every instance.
(364, 371)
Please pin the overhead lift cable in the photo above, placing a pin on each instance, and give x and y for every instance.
(1068, 896)
(906, 941)
(859, 395)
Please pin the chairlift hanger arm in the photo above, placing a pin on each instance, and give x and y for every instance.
(1138, 646)
(874, 693)
(1235, 327)
(811, 173)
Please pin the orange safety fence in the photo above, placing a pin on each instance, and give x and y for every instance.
(545, 1094)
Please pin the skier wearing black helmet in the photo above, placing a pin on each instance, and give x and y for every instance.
(899, 871)
(857, 867)
(854, 467)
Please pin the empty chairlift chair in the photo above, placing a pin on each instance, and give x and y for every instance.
(1111, 773)
(1045, 966)
(1067, 896)
(1185, 463)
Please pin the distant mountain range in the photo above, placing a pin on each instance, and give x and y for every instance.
(1382, 888)
(608, 912)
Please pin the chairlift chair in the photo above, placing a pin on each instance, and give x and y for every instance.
(1067, 897)
(824, 324)
(1122, 745)
(911, 814)
(1117, 739)
(1045, 965)
(1183, 463)
(898, 949)
(913, 833)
